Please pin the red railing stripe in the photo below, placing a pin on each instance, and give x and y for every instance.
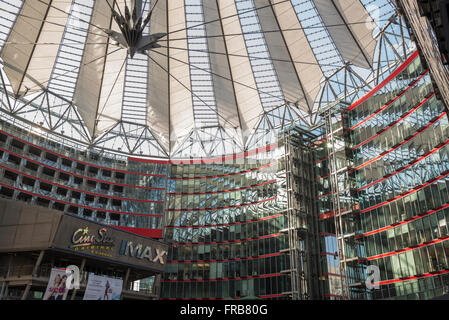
(80, 161)
(406, 221)
(411, 191)
(412, 278)
(222, 191)
(231, 241)
(77, 190)
(78, 205)
(383, 83)
(220, 208)
(227, 260)
(396, 122)
(400, 145)
(389, 103)
(407, 249)
(225, 224)
(74, 174)
(224, 279)
(225, 175)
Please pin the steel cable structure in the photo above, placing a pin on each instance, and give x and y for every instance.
(188, 78)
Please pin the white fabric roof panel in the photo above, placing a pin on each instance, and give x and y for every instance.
(158, 99)
(31, 50)
(299, 82)
(347, 22)
(99, 91)
(90, 79)
(220, 67)
(246, 94)
(181, 108)
(109, 108)
(310, 73)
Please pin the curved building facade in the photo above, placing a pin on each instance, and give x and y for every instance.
(282, 149)
(227, 221)
(387, 176)
(118, 192)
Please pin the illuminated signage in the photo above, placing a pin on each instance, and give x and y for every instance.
(100, 244)
(82, 238)
(137, 250)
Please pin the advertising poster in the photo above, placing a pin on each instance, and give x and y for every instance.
(103, 288)
(56, 288)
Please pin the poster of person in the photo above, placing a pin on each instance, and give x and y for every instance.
(56, 288)
(103, 288)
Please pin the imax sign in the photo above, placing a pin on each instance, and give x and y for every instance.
(138, 251)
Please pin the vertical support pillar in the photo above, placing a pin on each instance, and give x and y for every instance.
(38, 263)
(125, 281)
(33, 274)
(157, 285)
(27, 290)
(4, 289)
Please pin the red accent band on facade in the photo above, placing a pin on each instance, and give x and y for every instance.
(271, 296)
(323, 195)
(412, 278)
(328, 254)
(149, 233)
(133, 159)
(323, 177)
(227, 260)
(207, 161)
(319, 160)
(389, 103)
(222, 191)
(326, 215)
(407, 249)
(79, 161)
(396, 122)
(74, 174)
(77, 190)
(228, 157)
(224, 279)
(327, 234)
(78, 205)
(327, 274)
(383, 83)
(225, 175)
(321, 141)
(406, 221)
(220, 208)
(225, 224)
(401, 144)
(405, 167)
(232, 241)
(411, 191)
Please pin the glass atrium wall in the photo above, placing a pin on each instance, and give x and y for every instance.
(396, 142)
(120, 192)
(242, 228)
(223, 222)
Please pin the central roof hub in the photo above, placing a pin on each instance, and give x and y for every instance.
(131, 25)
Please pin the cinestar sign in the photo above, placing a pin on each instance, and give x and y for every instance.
(137, 250)
(85, 237)
(82, 238)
